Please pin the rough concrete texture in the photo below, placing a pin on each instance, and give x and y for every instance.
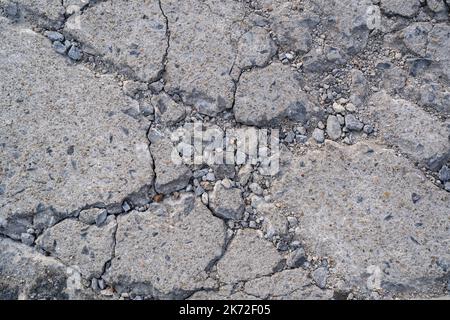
(270, 95)
(43, 13)
(139, 51)
(73, 145)
(243, 259)
(165, 251)
(376, 218)
(84, 248)
(26, 274)
(210, 149)
(412, 130)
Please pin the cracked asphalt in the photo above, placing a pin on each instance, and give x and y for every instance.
(123, 172)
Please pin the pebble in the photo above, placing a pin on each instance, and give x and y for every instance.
(27, 239)
(94, 284)
(368, 129)
(59, 47)
(293, 221)
(226, 183)
(54, 36)
(101, 284)
(301, 130)
(290, 137)
(126, 206)
(256, 188)
(318, 135)
(101, 218)
(74, 53)
(320, 276)
(295, 244)
(350, 107)
(352, 123)
(200, 173)
(301, 138)
(296, 258)
(444, 174)
(333, 128)
(199, 191)
(205, 198)
(338, 108)
(447, 186)
(210, 177)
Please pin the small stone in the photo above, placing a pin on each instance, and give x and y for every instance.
(444, 174)
(27, 239)
(320, 276)
(350, 107)
(289, 56)
(245, 174)
(368, 129)
(352, 123)
(167, 110)
(415, 198)
(301, 130)
(94, 284)
(199, 191)
(447, 186)
(318, 135)
(54, 36)
(74, 53)
(210, 177)
(156, 87)
(205, 199)
(296, 258)
(59, 47)
(275, 224)
(101, 218)
(290, 137)
(131, 88)
(200, 173)
(338, 108)
(333, 128)
(227, 203)
(107, 292)
(126, 206)
(293, 221)
(256, 188)
(101, 284)
(89, 216)
(301, 138)
(226, 183)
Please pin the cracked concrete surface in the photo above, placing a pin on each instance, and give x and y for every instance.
(97, 200)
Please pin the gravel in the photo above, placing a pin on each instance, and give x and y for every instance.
(318, 135)
(352, 123)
